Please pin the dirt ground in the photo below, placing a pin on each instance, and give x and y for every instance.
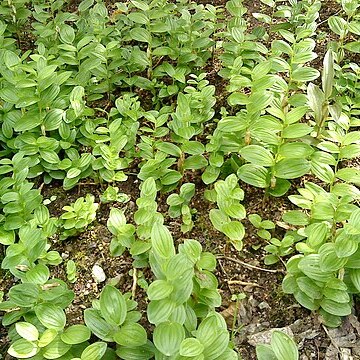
(264, 306)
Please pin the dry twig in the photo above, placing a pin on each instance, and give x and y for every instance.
(249, 265)
(133, 289)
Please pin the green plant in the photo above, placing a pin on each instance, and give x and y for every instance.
(319, 99)
(343, 28)
(146, 215)
(227, 194)
(113, 319)
(277, 248)
(15, 13)
(325, 273)
(179, 206)
(156, 93)
(40, 302)
(263, 226)
(25, 250)
(71, 271)
(111, 194)
(78, 216)
(183, 282)
(18, 198)
(123, 232)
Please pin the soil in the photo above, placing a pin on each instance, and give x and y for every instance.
(264, 306)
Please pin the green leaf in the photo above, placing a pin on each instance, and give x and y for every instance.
(142, 5)
(94, 351)
(27, 122)
(268, 3)
(195, 162)
(50, 156)
(329, 261)
(231, 124)
(328, 74)
(338, 25)
(317, 234)
(27, 331)
(168, 337)
(265, 352)
(295, 217)
(160, 310)
(191, 347)
(131, 335)
(138, 18)
(310, 266)
(162, 241)
(254, 175)
(56, 349)
(113, 305)
(303, 74)
(67, 33)
(11, 59)
(323, 211)
(350, 151)
(159, 289)
(291, 168)
(207, 261)
(351, 175)
(340, 296)
(345, 245)
(145, 352)
(296, 114)
(237, 34)
(169, 148)
(355, 278)
(51, 316)
(7, 237)
(329, 320)
(316, 100)
(309, 287)
(218, 219)
(22, 349)
(283, 346)
(140, 34)
(98, 325)
(24, 295)
(171, 177)
(322, 171)
(305, 300)
(296, 131)
(234, 230)
(335, 308)
(85, 4)
(75, 334)
(47, 337)
(257, 155)
(216, 342)
(353, 46)
(76, 99)
(139, 247)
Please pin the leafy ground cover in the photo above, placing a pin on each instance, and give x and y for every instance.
(179, 179)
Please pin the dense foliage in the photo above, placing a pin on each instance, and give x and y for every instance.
(100, 92)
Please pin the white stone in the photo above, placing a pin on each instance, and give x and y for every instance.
(98, 274)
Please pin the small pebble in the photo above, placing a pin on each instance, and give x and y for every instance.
(98, 274)
(264, 305)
